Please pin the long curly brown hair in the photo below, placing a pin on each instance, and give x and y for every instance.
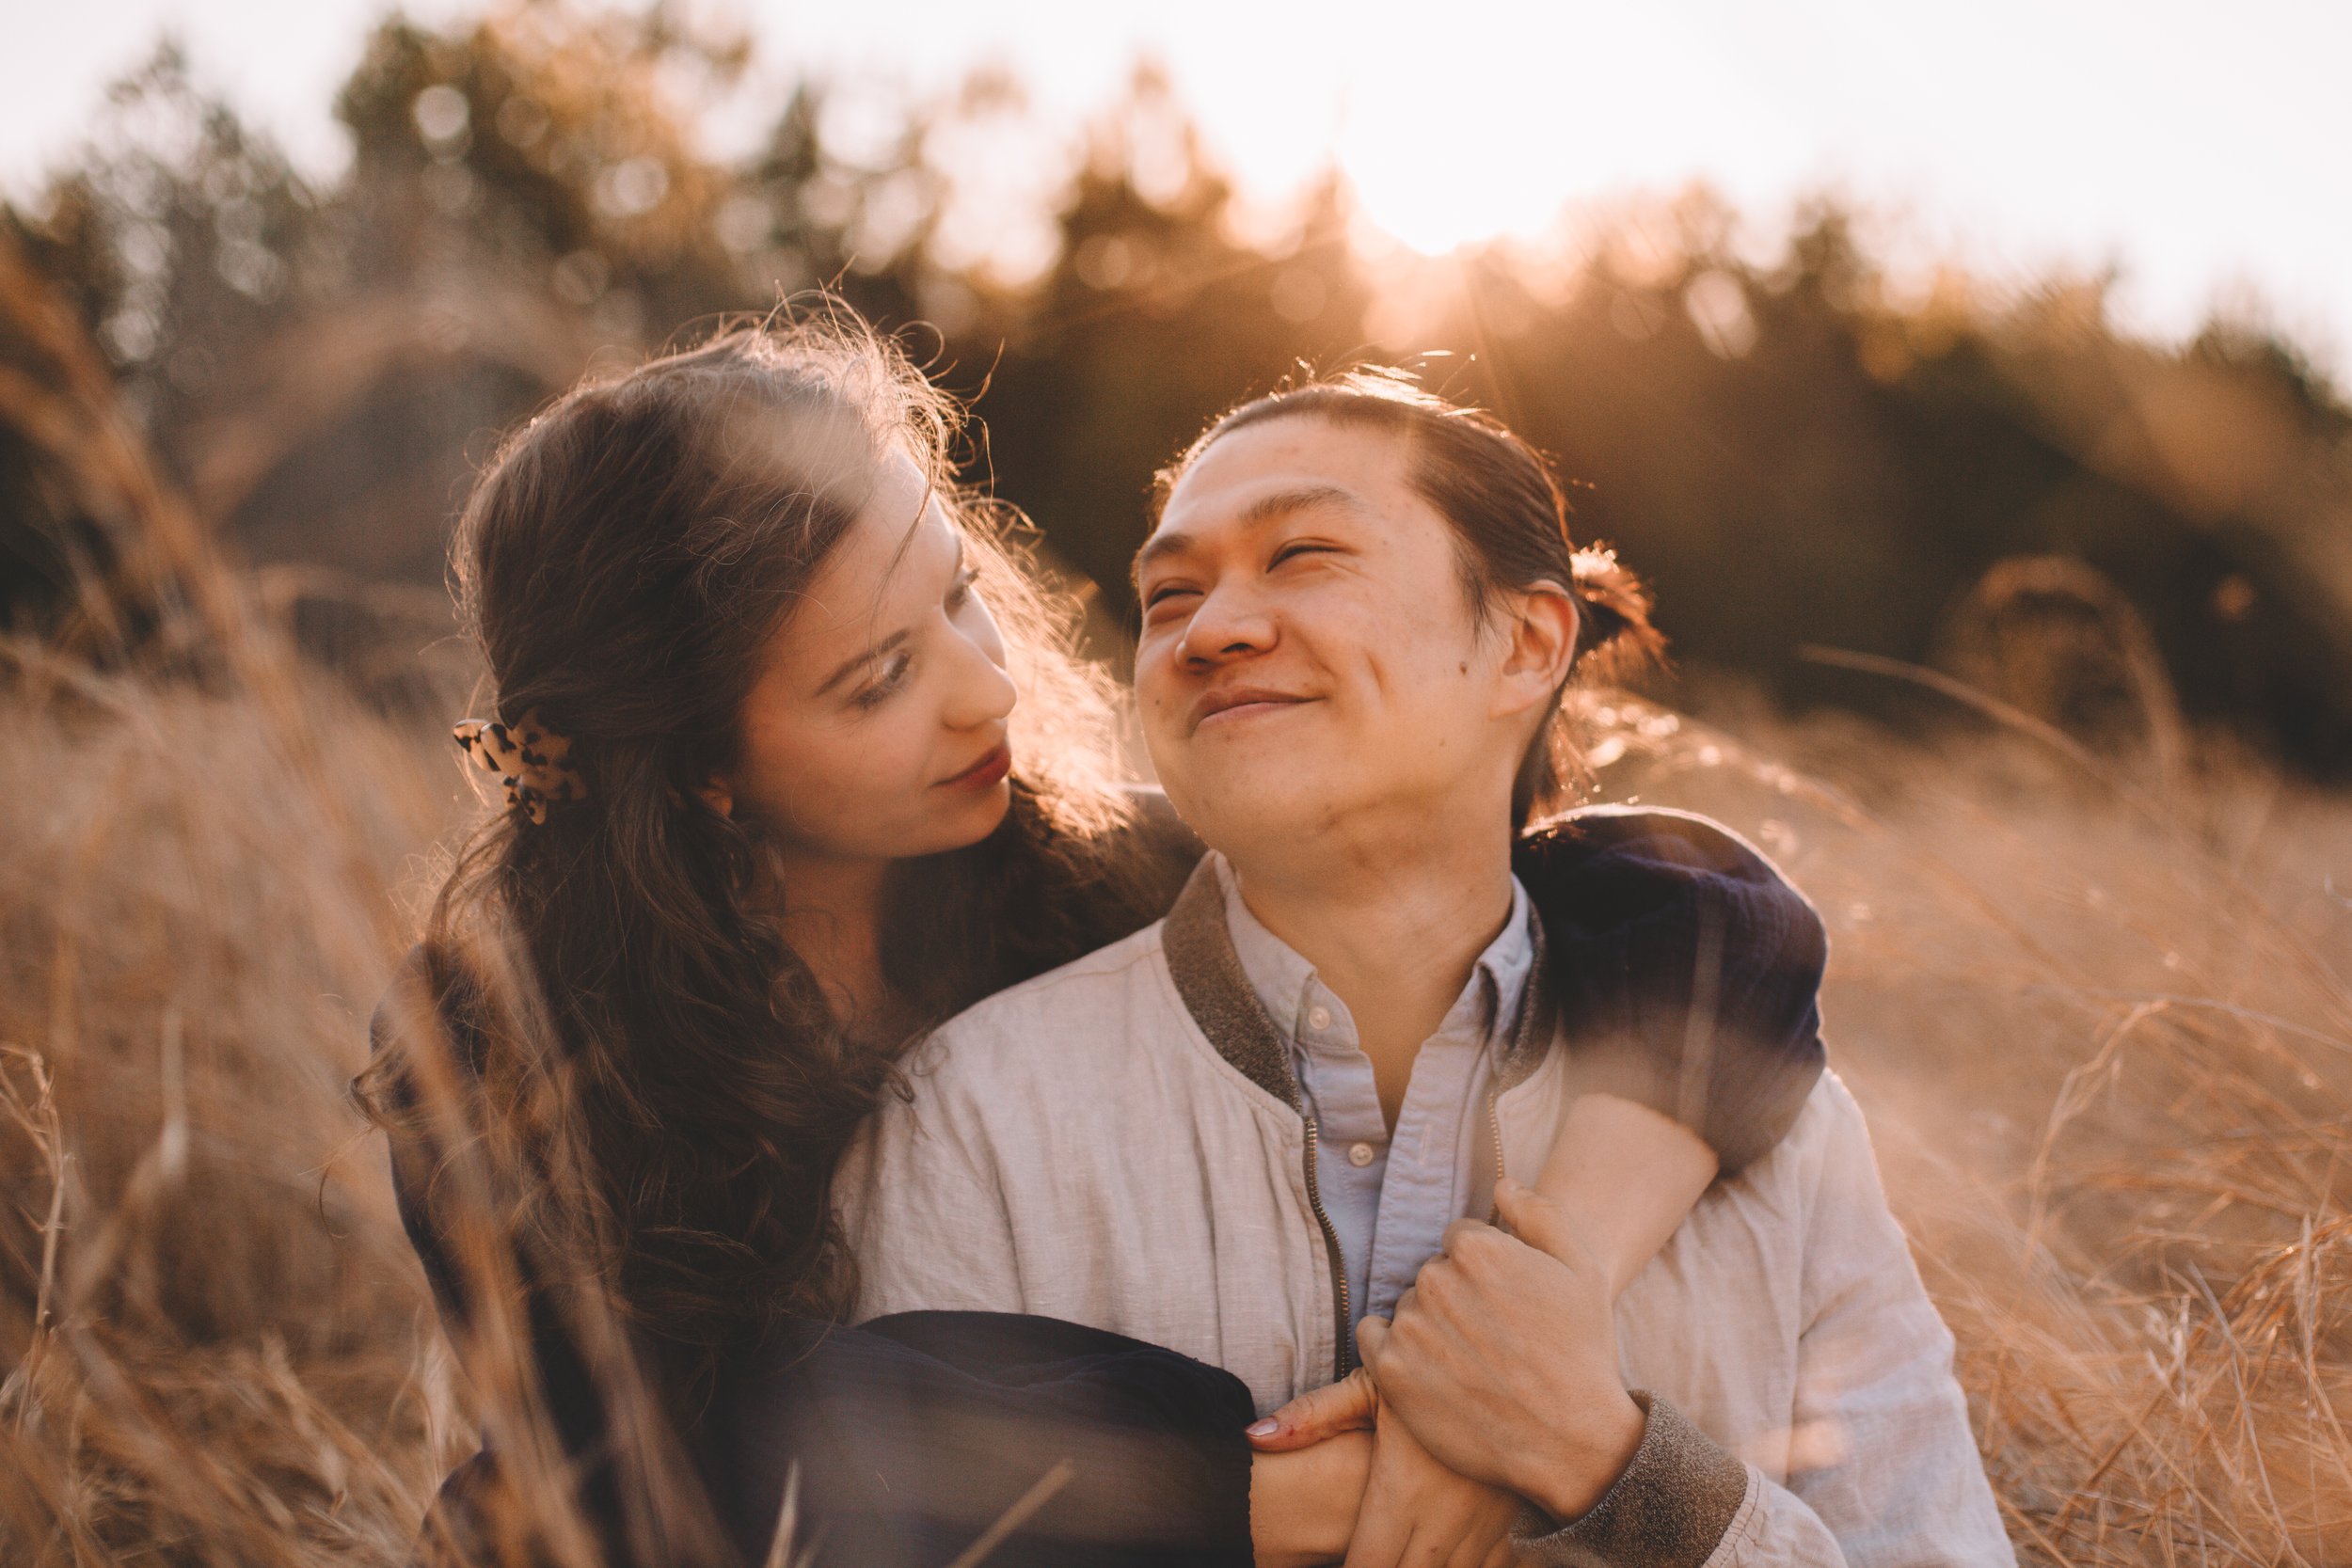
(657, 1075)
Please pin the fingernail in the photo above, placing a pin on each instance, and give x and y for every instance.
(1267, 1428)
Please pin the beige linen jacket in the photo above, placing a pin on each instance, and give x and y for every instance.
(1118, 1144)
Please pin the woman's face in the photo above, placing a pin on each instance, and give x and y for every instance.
(876, 730)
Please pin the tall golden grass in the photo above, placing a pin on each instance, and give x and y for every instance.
(2100, 1022)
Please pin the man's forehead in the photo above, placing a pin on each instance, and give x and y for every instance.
(1304, 448)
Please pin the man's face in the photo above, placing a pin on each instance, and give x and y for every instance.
(1307, 651)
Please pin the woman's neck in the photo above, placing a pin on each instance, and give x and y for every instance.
(832, 915)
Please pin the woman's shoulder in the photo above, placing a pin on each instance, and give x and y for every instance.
(1602, 867)
(429, 1003)
(1675, 836)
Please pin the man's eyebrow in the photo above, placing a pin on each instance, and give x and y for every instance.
(1300, 498)
(859, 660)
(1266, 509)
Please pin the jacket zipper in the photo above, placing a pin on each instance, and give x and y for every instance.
(1494, 1122)
(1343, 1338)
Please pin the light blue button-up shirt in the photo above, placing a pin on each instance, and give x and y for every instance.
(1389, 1196)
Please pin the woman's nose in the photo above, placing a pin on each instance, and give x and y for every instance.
(984, 692)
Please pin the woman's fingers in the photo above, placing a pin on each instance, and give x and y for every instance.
(1350, 1404)
(1542, 1221)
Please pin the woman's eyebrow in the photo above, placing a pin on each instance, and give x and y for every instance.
(859, 660)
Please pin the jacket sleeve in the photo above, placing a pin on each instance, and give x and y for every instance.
(1688, 970)
(907, 1438)
(1883, 1469)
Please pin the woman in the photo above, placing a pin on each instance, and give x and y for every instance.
(774, 809)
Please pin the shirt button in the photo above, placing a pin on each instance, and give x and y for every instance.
(1359, 1155)
(1320, 1018)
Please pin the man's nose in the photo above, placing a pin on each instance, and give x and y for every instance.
(1229, 623)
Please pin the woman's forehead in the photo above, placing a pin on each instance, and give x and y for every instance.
(884, 566)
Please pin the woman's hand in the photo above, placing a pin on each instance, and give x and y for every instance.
(1502, 1358)
(1416, 1512)
(1351, 1405)
(1303, 1501)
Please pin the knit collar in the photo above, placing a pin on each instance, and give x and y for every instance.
(1286, 982)
(1217, 994)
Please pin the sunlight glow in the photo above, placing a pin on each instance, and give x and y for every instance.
(2194, 147)
(1488, 132)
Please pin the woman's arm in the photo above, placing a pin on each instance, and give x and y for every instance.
(1626, 1175)
(1687, 969)
(1303, 1505)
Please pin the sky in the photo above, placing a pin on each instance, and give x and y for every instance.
(2198, 150)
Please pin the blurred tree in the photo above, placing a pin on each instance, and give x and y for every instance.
(1796, 458)
(1153, 319)
(174, 239)
(1794, 450)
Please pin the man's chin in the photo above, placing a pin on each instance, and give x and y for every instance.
(1243, 804)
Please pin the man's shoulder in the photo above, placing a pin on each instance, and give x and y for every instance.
(1105, 977)
(1084, 1015)
(1829, 1133)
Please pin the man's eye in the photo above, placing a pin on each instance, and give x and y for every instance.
(1288, 552)
(1161, 596)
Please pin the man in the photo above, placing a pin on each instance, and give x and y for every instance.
(1359, 609)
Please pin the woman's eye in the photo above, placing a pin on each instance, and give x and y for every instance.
(960, 595)
(893, 676)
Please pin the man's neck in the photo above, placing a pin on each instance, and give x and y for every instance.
(1393, 927)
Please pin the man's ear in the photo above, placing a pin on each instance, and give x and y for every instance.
(1541, 623)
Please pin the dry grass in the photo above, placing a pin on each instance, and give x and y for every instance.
(2107, 1059)
(2100, 1026)
(2105, 1045)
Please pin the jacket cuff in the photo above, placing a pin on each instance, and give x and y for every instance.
(1670, 1509)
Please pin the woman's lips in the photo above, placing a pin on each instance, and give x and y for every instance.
(984, 774)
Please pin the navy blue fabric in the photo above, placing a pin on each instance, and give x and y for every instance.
(1688, 971)
(915, 1432)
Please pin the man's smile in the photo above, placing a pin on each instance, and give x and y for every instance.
(1233, 703)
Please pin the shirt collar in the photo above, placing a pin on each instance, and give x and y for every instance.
(1285, 981)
